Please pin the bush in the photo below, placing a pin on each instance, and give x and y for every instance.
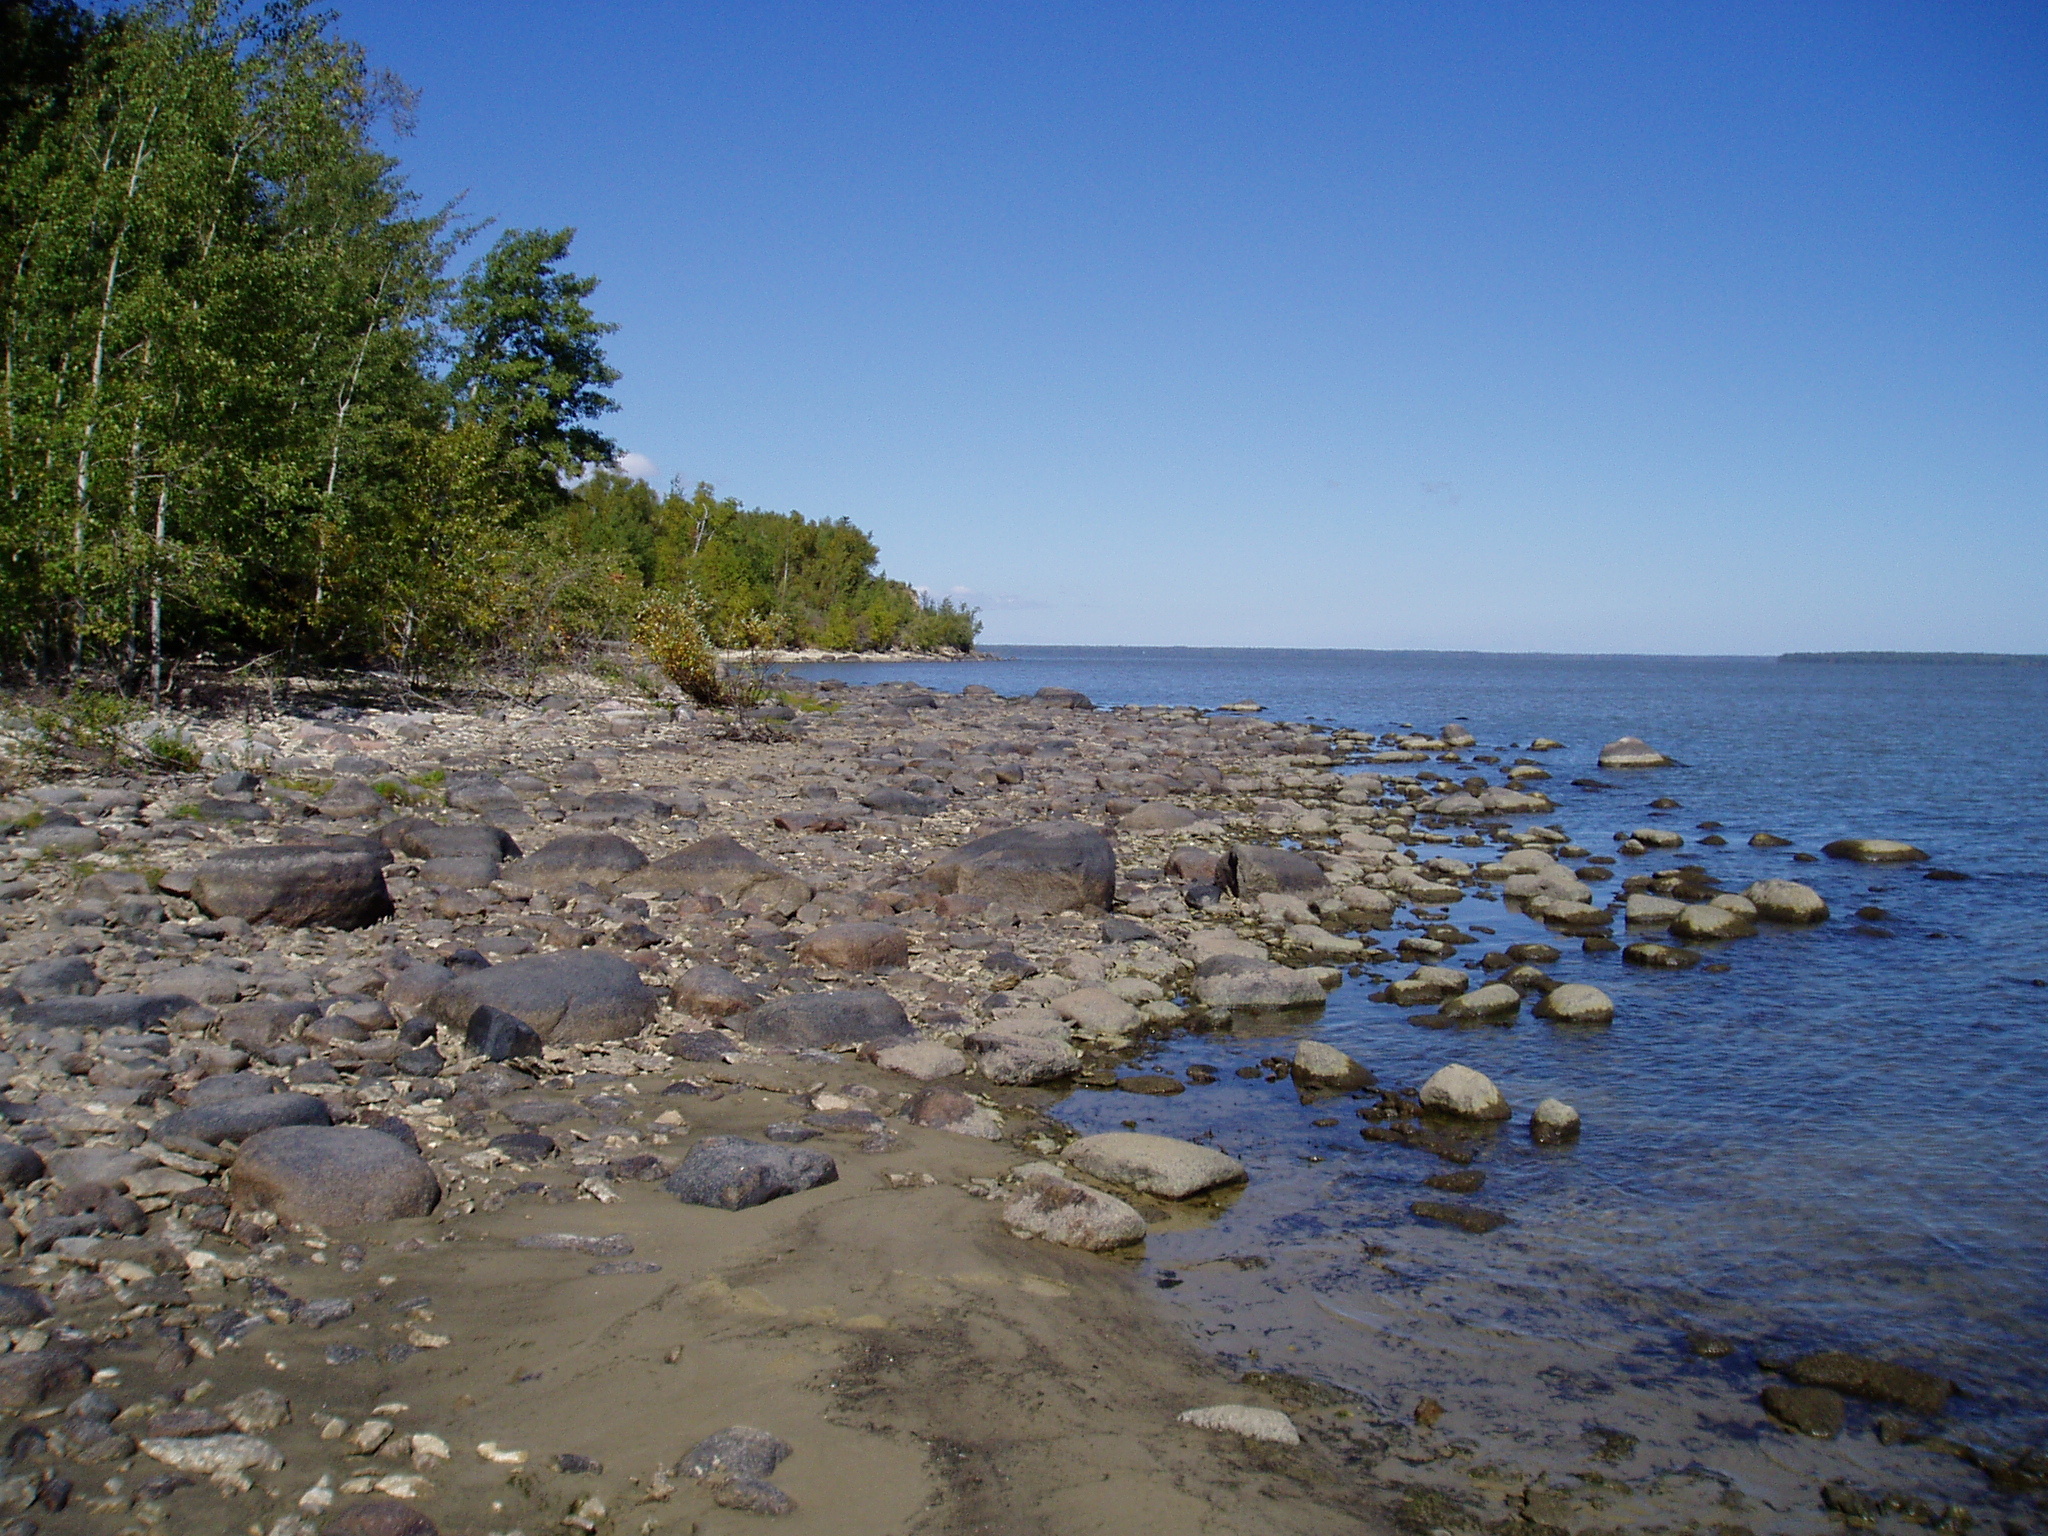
(166, 749)
(85, 723)
(671, 632)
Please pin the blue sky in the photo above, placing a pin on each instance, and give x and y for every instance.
(1585, 327)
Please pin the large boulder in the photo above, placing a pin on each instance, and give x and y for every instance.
(1873, 850)
(1252, 869)
(1158, 816)
(425, 839)
(1495, 1000)
(858, 946)
(118, 1011)
(244, 1117)
(1015, 1058)
(1458, 1090)
(1256, 984)
(1320, 1065)
(1059, 1210)
(580, 858)
(824, 1021)
(731, 1173)
(59, 976)
(1051, 866)
(332, 1176)
(728, 869)
(570, 997)
(37, 1376)
(1786, 901)
(1632, 752)
(294, 885)
(1154, 1165)
(1701, 921)
(1573, 1002)
(712, 992)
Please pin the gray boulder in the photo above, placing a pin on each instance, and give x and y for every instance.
(244, 1117)
(294, 885)
(732, 1173)
(570, 997)
(332, 1176)
(1158, 816)
(1324, 1066)
(588, 858)
(425, 839)
(1014, 1059)
(1252, 869)
(1458, 1090)
(1056, 1209)
(19, 1165)
(1786, 901)
(1053, 866)
(727, 869)
(352, 798)
(1239, 983)
(1632, 752)
(105, 1010)
(1573, 1002)
(824, 1021)
(1154, 1165)
(60, 976)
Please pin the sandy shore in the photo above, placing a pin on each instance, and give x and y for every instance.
(931, 1369)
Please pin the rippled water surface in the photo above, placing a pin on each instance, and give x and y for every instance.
(1841, 1141)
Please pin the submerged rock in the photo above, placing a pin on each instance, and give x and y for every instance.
(1879, 1380)
(1325, 1066)
(1632, 752)
(1786, 901)
(1873, 850)
(1811, 1411)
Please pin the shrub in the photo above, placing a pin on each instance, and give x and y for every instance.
(169, 750)
(671, 632)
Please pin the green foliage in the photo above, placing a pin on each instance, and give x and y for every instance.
(765, 579)
(247, 408)
(86, 723)
(166, 749)
(671, 631)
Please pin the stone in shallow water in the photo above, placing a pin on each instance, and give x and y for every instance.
(1466, 1218)
(1154, 1165)
(1058, 1210)
(1873, 850)
(1458, 1090)
(1879, 1380)
(1811, 1411)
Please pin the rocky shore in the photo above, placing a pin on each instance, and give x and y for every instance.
(582, 1117)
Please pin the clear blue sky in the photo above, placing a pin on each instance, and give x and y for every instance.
(1595, 326)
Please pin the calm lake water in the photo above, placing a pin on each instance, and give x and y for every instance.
(1841, 1142)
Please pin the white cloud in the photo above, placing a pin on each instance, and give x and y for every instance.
(638, 465)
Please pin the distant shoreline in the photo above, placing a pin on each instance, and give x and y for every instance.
(1914, 658)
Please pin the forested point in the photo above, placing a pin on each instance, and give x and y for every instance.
(255, 408)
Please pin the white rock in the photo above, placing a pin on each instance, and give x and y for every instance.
(924, 1060)
(1243, 1419)
(1554, 1121)
(1652, 911)
(208, 1454)
(1495, 1000)
(1269, 986)
(1316, 1062)
(1154, 1165)
(1099, 1012)
(1458, 1090)
(1573, 1002)
(1787, 901)
(1056, 1209)
(1632, 752)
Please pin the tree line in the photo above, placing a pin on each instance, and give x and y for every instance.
(252, 404)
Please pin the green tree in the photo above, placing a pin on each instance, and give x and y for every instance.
(528, 360)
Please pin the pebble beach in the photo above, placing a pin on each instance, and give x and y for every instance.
(586, 1113)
